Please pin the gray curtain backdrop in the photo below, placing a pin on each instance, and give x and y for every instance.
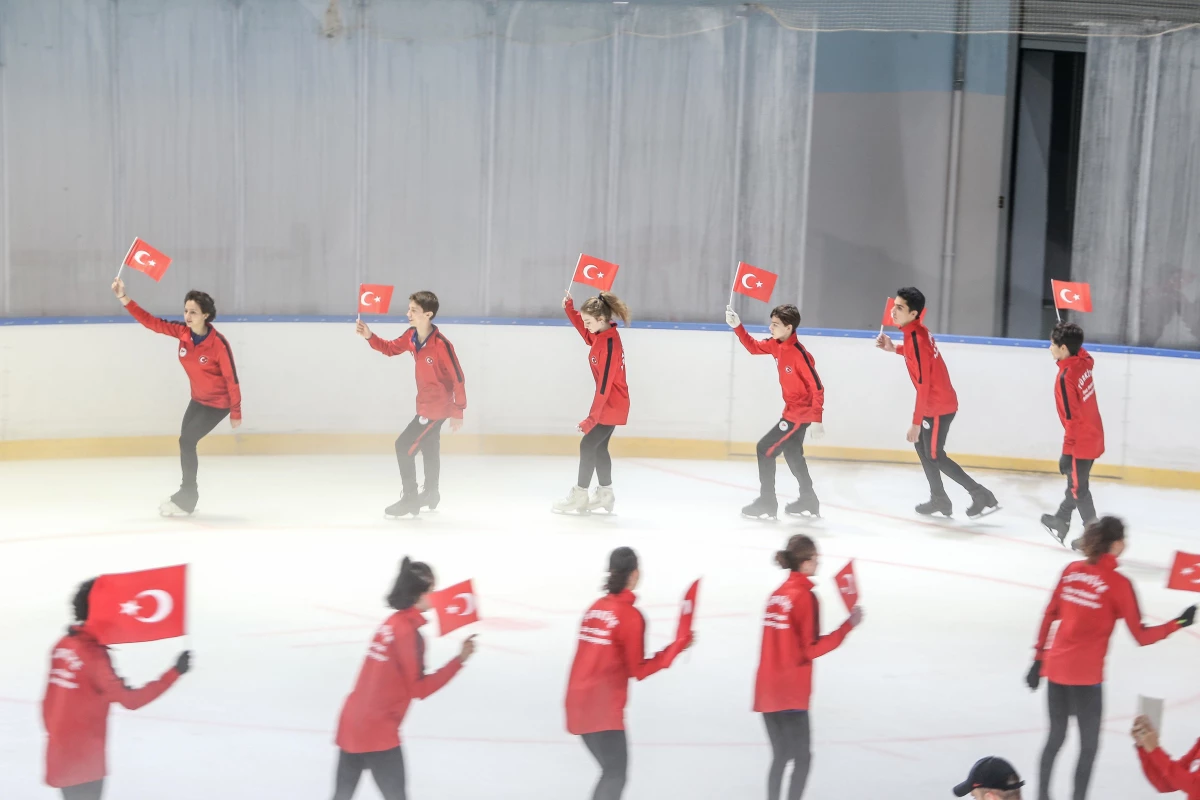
(282, 151)
(1137, 224)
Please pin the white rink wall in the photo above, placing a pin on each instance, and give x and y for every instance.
(70, 381)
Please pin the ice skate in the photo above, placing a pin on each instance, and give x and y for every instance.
(983, 503)
(576, 502)
(429, 498)
(1057, 527)
(409, 503)
(602, 498)
(169, 509)
(762, 508)
(936, 505)
(804, 506)
(1077, 544)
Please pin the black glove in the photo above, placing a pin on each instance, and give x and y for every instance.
(1187, 617)
(1064, 465)
(184, 662)
(1035, 676)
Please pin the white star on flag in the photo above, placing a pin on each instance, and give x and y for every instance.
(601, 274)
(452, 609)
(758, 284)
(1187, 571)
(131, 608)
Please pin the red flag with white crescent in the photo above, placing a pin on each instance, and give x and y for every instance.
(456, 606)
(847, 585)
(1075, 296)
(686, 612)
(595, 272)
(139, 606)
(144, 258)
(374, 298)
(754, 282)
(1185, 573)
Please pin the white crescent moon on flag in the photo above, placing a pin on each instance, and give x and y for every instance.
(138, 257)
(585, 272)
(363, 301)
(747, 277)
(1063, 294)
(470, 604)
(165, 605)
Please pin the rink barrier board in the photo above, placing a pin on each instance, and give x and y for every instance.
(278, 444)
(841, 333)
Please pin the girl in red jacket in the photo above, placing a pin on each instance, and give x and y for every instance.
(804, 403)
(611, 651)
(597, 324)
(1182, 775)
(1083, 430)
(791, 640)
(392, 676)
(1089, 599)
(207, 359)
(81, 687)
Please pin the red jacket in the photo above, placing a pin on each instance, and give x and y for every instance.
(392, 676)
(935, 393)
(1075, 396)
(1173, 776)
(791, 640)
(610, 406)
(611, 651)
(209, 365)
(441, 392)
(1086, 603)
(80, 688)
(803, 392)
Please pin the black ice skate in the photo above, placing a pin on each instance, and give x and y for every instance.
(762, 508)
(182, 504)
(806, 506)
(1057, 527)
(983, 503)
(408, 504)
(936, 505)
(429, 498)
(1077, 544)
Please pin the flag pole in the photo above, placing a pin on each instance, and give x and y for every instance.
(128, 253)
(733, 283)
(571, 280)
(881, 324)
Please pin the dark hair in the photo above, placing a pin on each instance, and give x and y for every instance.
(205, 301)
(621, 564)
(787, 314)
(414, 580)
(1070, 334)
(913, 298)
(605, 306)
(426, 300)
(80, 601)
(800, 548)
(1100, 535)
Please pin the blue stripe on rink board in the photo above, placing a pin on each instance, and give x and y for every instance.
(995, 341)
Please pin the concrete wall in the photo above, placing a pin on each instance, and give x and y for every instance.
(113, 389)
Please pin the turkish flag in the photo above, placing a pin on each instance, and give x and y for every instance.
(374, 298)
(455, 606)
(684, 632)
(1075, 296)
(1185, 573)
(595, 272)
(848, 585)
(887, 313)
(145, 258)
(754, 282)
(139, 606)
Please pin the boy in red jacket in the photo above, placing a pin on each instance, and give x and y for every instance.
(207, 358)
(1182, 775)
(441, 395)
(392, 676)
(936, 406)
(81, 687)
(803, 406)
(1083, 430)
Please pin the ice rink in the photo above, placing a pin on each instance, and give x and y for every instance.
(291, 558)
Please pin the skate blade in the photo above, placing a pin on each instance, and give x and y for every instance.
(806, 517)
(1054, 535)
(770, 517)
(579, 512)
(987, 512)
(399, 516)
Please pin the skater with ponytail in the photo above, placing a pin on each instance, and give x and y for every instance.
(1090, 597)
(791, 641)
(596, 322)
(392, 676)
(611, 651)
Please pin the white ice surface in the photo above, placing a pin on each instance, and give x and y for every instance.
(291, 558)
